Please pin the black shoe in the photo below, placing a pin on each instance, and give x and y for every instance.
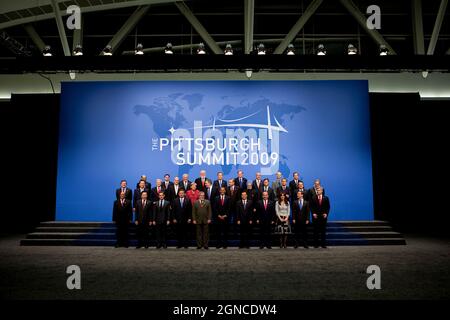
(306, 246)
(146, 247)
(324, 247)
(261, 247)
(116, 246)
(295, 246)
(206, 248)
(247, 247)
(179, 247)
(138, 247)
(185, 247)
(218, 247)
(199, 248)
(269, 247)
(225, 247)
(316, 247)
(165, 246)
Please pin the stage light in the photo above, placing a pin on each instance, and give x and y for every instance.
(321, 50)
(228, 50)
(383, 50)
(139, 50)
(78, 51)
(107, 51)
(168, 49)
(352, 50)
(201, 48)
(290, 50)
(261, 49)
(47, 52)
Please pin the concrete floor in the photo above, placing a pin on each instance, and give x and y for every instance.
(419, 270)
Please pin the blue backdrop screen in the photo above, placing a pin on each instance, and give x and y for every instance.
(119, 130)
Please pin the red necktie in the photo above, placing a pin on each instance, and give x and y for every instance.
(221, 200)
(159, 189)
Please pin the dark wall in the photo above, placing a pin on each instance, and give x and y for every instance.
(29, 159)
(409, 142)
(409, 150)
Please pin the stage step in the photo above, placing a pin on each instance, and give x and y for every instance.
(339, 233)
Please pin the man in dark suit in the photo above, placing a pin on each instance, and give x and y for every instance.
(222, 218)
(173, 190)
(265, 220)
(201, 218)
(240, 181)
(268, 189)
(320, 208)
(181, 218)
(302, 189)
(284, 189)
(154, 194)
(200, 181)
(210, 192)
(301, 217)
(251, 193)
(185, 183)
(244, 219)
(220, 182)
(161, 219)
(138, 192)
(313, 191)
(122, 217)
(258, 184)
(123, 188)
(148, 185)
(166, 183)
(233, 192)
(142, 220)
(293, 185)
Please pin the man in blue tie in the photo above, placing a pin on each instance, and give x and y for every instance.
(181, 218)
(301, 216)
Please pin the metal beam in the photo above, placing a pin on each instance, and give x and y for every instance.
(78, 35)
(61, 29)
(34, 36)
(437, 27)
(126, 28)
(417, 23)
(310, 10)
(184, 9)
(249, 14)
(361, 19)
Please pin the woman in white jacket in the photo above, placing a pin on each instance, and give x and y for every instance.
(283, 211)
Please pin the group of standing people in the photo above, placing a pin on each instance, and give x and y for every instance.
(180, 204)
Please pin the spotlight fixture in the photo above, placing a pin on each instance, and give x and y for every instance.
(290, 50)
(139, 50)
(47, 52)
(201, 48)
(321, 50)
(168, 49)
(107, 51)
(78, 51)
(261, 50)
(352, 50)
(228, 50)
(383, 50)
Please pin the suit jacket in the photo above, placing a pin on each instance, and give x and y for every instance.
(275, 185)
(211, 196)
(143, 214)
(172, 193)
(235, 196)
(265, 216)
(154, 196)
(320, 209)
(252, 195)
(305, 194)
(179, 213)
(312, 193)
(217, 185)
(148, 185)
(161, 214)
(188, 185)
(201, 213)
(271, 194)
(241, 186)
(301, 215)
(163, 185)
(137, 195)
(198, 181)
(221, 210)
(255, 186)
(122, 213)
(245, 215)
(128, 194)
(293, 186)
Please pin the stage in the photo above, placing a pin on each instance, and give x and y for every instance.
(418, 270)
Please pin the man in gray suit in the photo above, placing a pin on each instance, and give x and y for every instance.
(201, 218)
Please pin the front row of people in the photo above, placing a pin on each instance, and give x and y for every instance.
(185, 211)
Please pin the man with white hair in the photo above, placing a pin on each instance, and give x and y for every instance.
(185, 183)
(200, 181)
(156, 190)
